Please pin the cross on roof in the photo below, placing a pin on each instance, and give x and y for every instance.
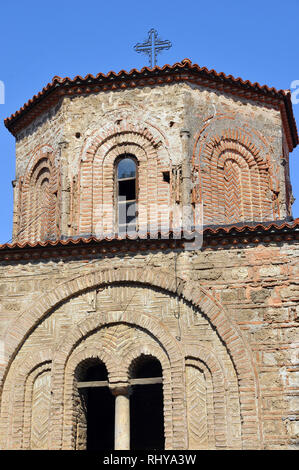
(153, 46)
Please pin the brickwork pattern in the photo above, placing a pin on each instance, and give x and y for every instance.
(237, 180)
(222, 321)
(97, 209)
(234, 172)
(235, 158)
(118, 340)
(249, 366)
(38, 199)
(197, 408)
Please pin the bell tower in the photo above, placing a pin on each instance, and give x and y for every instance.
(110, 318)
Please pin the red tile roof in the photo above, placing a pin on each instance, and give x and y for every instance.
(181, 71)
(246, 234)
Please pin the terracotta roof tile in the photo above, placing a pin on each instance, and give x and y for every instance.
(212, 236)
(254, 227)
(184, 70)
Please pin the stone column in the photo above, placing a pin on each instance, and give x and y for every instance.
(186, 177)
(65, 190)
(122, 418)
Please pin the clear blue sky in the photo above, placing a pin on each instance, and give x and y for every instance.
(255, 40)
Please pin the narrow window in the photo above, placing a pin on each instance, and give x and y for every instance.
(126, 175)
(95, 413)
(146, 406)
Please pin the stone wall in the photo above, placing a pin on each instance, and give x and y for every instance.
(224, 330)
(237, 153)
(221, 321)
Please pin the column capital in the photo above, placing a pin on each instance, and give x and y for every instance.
(117, 390)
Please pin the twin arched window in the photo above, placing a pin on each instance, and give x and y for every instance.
(126, 193)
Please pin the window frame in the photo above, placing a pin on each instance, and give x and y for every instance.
(118, 159)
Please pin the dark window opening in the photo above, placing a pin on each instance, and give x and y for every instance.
(97, 371)
(126, 189)
(100, 404)
(126, 194)
(146, 407)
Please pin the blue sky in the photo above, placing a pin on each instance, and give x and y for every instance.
(256, 40)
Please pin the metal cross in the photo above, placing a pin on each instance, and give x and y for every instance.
(152, 47)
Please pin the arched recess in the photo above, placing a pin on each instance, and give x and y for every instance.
(199, 404)
(96, 176)
(38, 198)
(17, 399)
(235, 182)
(114, 357)
(94, 344)
(147, 405)
(189, 291)
(156, 352)
(209, 373)
(206, 399)
(40, 410)
(73, 419)
(229, 160)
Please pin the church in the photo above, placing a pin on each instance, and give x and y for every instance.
(119, 328)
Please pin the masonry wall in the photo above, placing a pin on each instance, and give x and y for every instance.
(227, 342)
(237, 153)
(222, 321)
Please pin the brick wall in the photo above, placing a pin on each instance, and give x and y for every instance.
(236, 353)
(237, 152)
(221, 321)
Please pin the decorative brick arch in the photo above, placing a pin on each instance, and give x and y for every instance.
(205, 357)
(38, 197)
(102, 136)
(145, 350)
(93, 351)
(96, 208)
(235, 183)
(219, 130)
(118, 374)
(210, 359)
(157, 352)
(115, 371)
(151, 276)
(41, 151)
(29, 403)
(219, 390)
(17, 391)
(71, 397)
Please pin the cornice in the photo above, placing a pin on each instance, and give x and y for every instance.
(213, 238)
(183, 71)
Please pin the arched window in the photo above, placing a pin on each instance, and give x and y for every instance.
(146, 405)
(126, 193)
(95, 410)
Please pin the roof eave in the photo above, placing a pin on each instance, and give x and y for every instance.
(182, 71)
